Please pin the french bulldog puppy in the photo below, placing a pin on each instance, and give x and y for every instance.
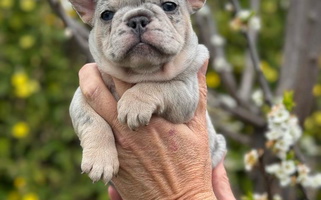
(150, 43)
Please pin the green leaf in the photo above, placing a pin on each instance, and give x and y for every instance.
(288, 100)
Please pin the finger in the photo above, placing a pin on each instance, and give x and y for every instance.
(121, 86)
(97, 94)
(221, 184)
(113, 194)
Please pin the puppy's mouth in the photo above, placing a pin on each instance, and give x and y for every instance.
(143, 48)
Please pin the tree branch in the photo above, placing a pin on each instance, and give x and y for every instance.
(79, 32)
(247, 80)
(255, 59)
(302, 51)
(208, 31)
(240, 113)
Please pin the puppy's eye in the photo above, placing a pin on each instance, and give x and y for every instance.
(107, 15)
(169, 6)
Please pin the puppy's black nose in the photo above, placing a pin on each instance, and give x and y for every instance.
(138, 24)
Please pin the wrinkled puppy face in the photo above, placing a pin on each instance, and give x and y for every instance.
(141, 33)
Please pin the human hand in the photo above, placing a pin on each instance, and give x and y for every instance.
(220, 183)
(161, 160)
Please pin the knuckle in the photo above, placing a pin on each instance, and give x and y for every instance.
(86, 69)
(90, 91)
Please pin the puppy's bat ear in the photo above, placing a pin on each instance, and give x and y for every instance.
(195, 5)
(85, 9)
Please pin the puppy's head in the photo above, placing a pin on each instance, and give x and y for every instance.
(141, 35)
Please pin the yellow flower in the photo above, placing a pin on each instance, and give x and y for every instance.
(24, 87)
(20, 130)
(19, 182)
(19, 78)
(30, 196)
(26, 41)
(308, 123)
(27, 5)
(50, 19)
(317, 90)
(317, 117)
(13, 195)
(213, 80)
(22, 91)
(269, 7)
(270, 73)
(6, 4)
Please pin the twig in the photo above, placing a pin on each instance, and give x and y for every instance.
(266, 177)
(208, 28)
(79, 32)
(247, 80)
(238, 112)
(255, 59)
(266, 90)
(241, 138)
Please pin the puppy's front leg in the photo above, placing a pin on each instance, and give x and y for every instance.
(174, 100)
(99, 159)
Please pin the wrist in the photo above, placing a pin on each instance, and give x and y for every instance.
(194, 192)
(200, 196)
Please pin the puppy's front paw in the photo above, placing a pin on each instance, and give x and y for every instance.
(135, 111)
(100, 163)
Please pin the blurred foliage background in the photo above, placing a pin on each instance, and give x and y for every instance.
(39, 60)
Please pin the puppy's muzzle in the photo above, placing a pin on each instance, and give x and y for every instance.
(138, 24)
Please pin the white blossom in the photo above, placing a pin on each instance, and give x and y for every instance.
(277, 197)
(217, 40)
(229, 7)
(288, 167)
(255, 23)
(295, 130)
(227, 100)
(282, 145)
(250, 159)
(68, 32)
(303, 169)
(66, 5)
(316, 181)
(260, 196)
(243, 15)
(311, 181)
(264, 196)
(273, 135)
(273, 168)
(204, 11)
(257, 97)
(221, 64)
(236, 24)
(285, 181)
(283, 130)
(278, 114)
(283, 171)
(281, 154)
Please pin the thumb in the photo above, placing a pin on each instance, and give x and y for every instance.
(113, 194)
(221, 184)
